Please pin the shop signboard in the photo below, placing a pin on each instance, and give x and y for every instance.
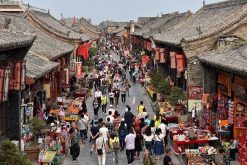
(78, 69)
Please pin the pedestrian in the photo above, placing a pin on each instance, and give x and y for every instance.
(111, 109)
(111, 97)
(123, 94)
(233, 149)
(98, 95)
(94, 134)
(95, 108)
(128, 118)
(117, 120)
(122, 132)
(116, 96)
(83, 127)
(75, 140)
(103, 103)
(130, 145)
(102, 148)
(105, 132)
(127, 87)
(140, 107)
(167, 159)
(148, 139)
(138, 145)
(115, 146)
(158, 144)
(147, 159)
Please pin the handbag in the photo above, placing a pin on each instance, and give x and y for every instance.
(100, 151)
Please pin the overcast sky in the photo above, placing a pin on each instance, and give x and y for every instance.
(118, 10)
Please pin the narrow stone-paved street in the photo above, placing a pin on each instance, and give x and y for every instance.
(137, 94)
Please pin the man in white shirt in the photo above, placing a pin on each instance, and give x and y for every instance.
(110, 116)
(130, 145)
(98, 95)
(83, 126)
(101, 143)
(104, 131)
(111, 110)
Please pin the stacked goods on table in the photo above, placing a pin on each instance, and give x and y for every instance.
(242, 150)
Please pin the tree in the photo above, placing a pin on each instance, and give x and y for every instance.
(36, 125)
(176, 94)
(9, 155)
(156, 78)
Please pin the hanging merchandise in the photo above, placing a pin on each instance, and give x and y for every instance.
(173, 60)
(162, 55)
(181, 62)
(230, 111)
(157, 54)
(222, 112)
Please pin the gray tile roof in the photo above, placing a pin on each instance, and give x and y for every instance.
(38, 66)
(44, 45)
(205, 21)
(231, 59)
(147, 27)
(11, 40)
(143, 20)
(56, 26)
(82, 26)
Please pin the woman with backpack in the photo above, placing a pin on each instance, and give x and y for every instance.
(122, 132)
(114, 144)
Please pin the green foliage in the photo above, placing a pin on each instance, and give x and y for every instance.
(93, 51)
(176, 94)
(10, 155)
(156, 78)
(36, 125)
(90, 63)
(164, 87)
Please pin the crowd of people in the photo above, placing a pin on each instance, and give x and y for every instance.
(119, 129)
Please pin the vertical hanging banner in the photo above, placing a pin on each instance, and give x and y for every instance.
(67, 76)
(78, 69)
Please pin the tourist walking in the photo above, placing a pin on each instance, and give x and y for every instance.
(122, 132)
(138, 145)
(123, 94)
(116, 96)
(75, 140)
(111, 97)
(158, 143)
(167, 159)
(115, 146)
(95, 108)
(130, 146)
(94, 134)
(83, 127)
(102, 148)
(103, 103)
(147, 159)
(148, 139)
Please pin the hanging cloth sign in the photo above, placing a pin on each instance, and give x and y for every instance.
(78, 70)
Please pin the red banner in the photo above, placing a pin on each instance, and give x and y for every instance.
(78, 70)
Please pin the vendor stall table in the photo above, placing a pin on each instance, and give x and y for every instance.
(48, 158)
(185, 145)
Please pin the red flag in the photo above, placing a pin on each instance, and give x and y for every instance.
(83, 50)
(145, 60)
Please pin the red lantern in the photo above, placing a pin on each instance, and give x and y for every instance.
(173, 60)
(162, 55)
(157, 54)
(181, 63)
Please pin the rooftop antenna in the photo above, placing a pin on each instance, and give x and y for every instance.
(204, 2)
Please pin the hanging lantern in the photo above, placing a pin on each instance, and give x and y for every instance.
(157, 54)
(162, 55)
(173, 60)
(4, 84)
(17, 80)
(181, 63)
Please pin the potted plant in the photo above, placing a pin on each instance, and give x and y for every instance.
(156, 78)
(35, 125)
(176, 96)
(9, 154)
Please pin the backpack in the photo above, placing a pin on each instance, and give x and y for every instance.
(122, 133)
(115, 144)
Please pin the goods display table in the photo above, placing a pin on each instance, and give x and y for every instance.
(48, 158)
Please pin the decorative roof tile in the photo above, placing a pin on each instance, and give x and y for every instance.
(205, 21)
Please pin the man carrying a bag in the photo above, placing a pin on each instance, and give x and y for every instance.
(102, 148)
